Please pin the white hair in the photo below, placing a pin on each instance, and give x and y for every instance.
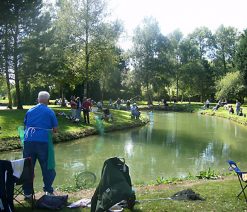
(43, 95)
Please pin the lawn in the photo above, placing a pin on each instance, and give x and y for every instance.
(11, 119)
(221, 112)
(220, 195)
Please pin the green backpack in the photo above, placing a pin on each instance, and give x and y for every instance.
(114, 186)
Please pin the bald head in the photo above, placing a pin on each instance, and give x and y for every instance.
(43, 97)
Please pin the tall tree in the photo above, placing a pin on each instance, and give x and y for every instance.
(241, 57)
(5, 44)
(175, 39)
(225, 47)
(203, 39)
(22, 17)
(193, 79)
(34, 59)
(89, 16)
(86, 42)
(147, 55)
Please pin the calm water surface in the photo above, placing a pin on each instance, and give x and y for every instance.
(171, 145)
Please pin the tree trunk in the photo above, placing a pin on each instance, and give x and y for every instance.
(86, 54)
(63, 104)
(102, 93)
(224, 60)
(6, 56)
(26, 91)
(10, 104)
(15, 60)
(177, 88)
(150, 100)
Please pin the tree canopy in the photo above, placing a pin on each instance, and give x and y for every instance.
(73, 49)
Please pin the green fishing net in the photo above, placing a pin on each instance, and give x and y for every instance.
(99, 125)
(21, 134)
(51, 154)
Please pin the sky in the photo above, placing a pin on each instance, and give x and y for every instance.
(185, 15)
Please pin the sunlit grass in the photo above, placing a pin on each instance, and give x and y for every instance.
(221, 112)
(219, 195)
(11, 119)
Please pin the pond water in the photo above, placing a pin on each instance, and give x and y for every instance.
(171, 145)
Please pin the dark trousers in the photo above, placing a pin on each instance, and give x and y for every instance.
(86, 116)
(39, 150)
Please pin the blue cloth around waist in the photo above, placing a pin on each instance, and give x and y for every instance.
(36, 135)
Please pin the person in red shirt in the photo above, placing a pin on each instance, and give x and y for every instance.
(86, 106)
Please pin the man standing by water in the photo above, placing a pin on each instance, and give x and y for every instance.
(238, 104)
(86, 106)
(40, 121)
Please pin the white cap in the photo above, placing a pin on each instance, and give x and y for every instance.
(43, 95)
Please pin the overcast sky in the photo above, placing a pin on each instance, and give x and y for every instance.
(185, 15)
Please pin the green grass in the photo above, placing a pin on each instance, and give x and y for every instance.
(220, 195)
(4, 101)
(221, 112)
(11, 119)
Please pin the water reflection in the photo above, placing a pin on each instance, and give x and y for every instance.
(171, 145)
(128, 148)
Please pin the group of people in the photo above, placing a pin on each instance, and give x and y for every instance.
(219, 104)
(239, 110)
(119, 104)
(135, 113)
(77, 106)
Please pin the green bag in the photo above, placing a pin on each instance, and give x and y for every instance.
(21, 134)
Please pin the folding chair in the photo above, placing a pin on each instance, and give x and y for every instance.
(25, 177)
(242, 177)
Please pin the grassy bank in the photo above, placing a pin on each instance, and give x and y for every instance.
(11, 119)
(223, 113)
(220, 195)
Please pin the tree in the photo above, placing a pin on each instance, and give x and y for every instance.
(20, 20)
(242, 55)
(175, 57)
(5, 42)
(202, 38)
(3, 88)
(225, 48)
(34, 60)
(88, 17)
(193, 77)
(87, 43)
(231, 87)
(148, 59)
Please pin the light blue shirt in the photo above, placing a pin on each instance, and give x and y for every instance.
(39, 121)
